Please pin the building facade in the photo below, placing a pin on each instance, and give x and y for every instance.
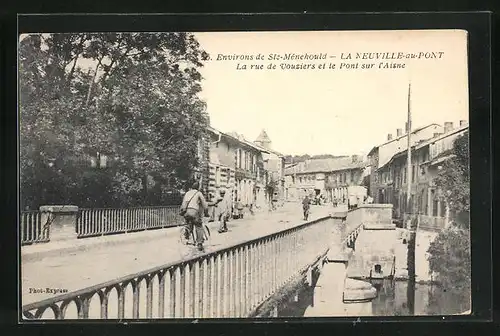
(291, 190)
(330, 178)
(274, 165)
(380, 155)
(427, 157)
(235, 164)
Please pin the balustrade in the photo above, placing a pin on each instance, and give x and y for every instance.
(93, 222)
(229, 283)
(35, 227)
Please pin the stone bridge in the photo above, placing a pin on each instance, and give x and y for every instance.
(363, 247)
(248, 278)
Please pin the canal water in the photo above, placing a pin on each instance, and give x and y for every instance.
(394, 298)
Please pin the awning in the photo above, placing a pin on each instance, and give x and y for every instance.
(441, 159)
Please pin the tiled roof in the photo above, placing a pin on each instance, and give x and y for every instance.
(272, 151)
(238, 137)
(427, 142)
(263, 137)
(324, 166)
(402, 136)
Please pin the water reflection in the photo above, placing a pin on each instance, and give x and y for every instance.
(297, 304)
(395, 298)
(398, 298)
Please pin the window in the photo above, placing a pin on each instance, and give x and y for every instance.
(435, 204)
(217, 176)
(404, 175)
(200, 148)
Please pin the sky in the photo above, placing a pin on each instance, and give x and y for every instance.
(340, 112)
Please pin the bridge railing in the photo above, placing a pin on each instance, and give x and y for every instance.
(432, 223)
(425, 222)
(231, 282)
(94, 222)
(35, 227)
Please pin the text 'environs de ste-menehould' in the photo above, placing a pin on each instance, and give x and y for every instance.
(323, 56)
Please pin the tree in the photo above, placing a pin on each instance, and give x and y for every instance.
(454, 181)
(450, 251)
(138, 103)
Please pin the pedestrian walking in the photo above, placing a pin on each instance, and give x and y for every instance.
(224, 207)
(211, 207)
(239, 208)
(251, 209)
(306, 204)
(274, 201)
(193, 209)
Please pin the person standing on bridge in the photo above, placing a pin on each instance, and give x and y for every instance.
(224, 207)
(306, 204)
(193, 208)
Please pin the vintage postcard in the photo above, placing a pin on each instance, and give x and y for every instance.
(244, 174)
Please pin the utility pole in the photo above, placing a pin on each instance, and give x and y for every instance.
(409, 224)
(408, 160)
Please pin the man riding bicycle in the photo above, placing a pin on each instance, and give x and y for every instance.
(193, 209)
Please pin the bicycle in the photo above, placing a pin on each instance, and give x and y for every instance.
(185, 232)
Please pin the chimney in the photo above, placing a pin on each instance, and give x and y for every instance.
(399, 132)
(406, 127)
(448, 126)
(436, 135)
(389, 137)
(463, 123)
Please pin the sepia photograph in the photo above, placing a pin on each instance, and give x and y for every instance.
(270, 174)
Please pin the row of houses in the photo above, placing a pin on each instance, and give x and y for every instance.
(251, 170)
(330, 178)
(430, 147)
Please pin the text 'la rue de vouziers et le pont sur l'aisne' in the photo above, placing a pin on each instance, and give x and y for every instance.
(325, 61)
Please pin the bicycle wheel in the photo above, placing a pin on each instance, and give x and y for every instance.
(206, 231)
(184, 232)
